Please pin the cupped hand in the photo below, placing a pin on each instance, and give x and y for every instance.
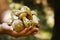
(26, 32)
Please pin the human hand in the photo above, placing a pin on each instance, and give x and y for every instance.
(26, 32)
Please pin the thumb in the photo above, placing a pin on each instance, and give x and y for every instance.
(6, 26)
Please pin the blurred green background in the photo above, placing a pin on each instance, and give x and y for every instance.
(45, 14)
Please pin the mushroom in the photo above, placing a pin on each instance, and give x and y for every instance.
(26, 21)
(16, 12)
(17, 25)
(34, 13)
(12, 6)
(22, 15)
(35, 19)
(27, 10)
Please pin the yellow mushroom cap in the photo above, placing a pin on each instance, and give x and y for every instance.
(22, 15)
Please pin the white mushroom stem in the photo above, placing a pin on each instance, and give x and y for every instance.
(27, 22)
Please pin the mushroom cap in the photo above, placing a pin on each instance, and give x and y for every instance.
(25, 8)
(12, 6)
(17, 25)
(35, 19)
(28, 11)
(16, 22)
(22, 15)
(16, 12)
(34, 13)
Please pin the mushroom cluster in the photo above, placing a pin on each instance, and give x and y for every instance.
(23, 18)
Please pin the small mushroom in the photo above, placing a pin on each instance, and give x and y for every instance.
(17, 6)
(26, 21)
(12, 6)
(35, 21)
(17, 25)
(27, 10)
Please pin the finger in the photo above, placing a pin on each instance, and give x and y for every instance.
(6, 27)
(15, 34)
(12, 33)
(10, 28)
(32, 31)
(25, 30)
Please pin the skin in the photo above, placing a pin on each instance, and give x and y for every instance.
(27, 31)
